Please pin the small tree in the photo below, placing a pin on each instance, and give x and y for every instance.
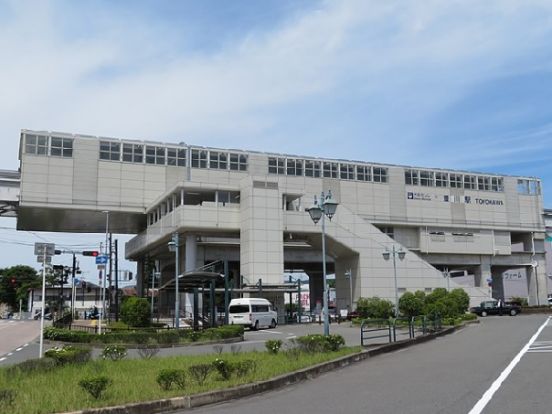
(375, 308)
(462, 300)
(136, 312)
(411, 305)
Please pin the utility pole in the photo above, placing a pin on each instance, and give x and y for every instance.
(116, 281)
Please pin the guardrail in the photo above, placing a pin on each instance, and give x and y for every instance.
(393, 328)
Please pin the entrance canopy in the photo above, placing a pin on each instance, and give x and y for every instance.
(193, 280)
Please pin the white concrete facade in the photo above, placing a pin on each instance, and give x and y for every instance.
(248, 208)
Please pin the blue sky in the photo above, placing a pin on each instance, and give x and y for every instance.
(450, 84)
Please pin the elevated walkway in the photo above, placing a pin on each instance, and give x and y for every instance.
(9, 192)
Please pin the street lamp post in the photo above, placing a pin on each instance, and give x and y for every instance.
(401, 253)
(349, 276)
(174, 246)
(325, 206)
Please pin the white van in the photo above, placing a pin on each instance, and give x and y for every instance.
(252, 312)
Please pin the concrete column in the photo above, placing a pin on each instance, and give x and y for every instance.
(190, 260)
(497, 285)
(316, 289)
(537, 283)
(483, 272)
(190, 264)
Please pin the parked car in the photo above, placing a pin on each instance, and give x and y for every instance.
(496, 307)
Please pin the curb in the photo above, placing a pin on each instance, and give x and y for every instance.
(212, 397)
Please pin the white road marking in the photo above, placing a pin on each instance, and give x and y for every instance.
(10, 354)
(25, 345)
(482, 403)
(19, 349)
(2, 359)
(539, 351)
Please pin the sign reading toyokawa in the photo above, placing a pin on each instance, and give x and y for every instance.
(454, 199)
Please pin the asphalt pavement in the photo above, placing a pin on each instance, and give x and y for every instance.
(448, 375)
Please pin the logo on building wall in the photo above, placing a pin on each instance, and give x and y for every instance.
(453, 199)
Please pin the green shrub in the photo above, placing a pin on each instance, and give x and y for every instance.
(200, 372)
(135, 312)
(149, 349)
(169, 377)
(223, 367)
(114, 352)
(30, 366)
(245, 367)
(375, 308)
(461, 300)
(69, 354)
(411, 304)
(66, 335)
(95, 386)
(7, 397)
(335, 342)
(273, 345)
(521, 301)
(316, 343)
(469, 316)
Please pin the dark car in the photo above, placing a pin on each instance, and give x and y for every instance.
(496, 307)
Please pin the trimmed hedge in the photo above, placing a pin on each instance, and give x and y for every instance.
(166, 337)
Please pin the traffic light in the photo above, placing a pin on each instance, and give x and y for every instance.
(91, 253)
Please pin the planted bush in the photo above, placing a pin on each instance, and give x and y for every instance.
(135, 311)
(375, 308)
(30, 366)
(319, 343)
(95, 386)
(169, 377)
(335, 342)
(68, 354)
(273, 345)
(223, 367)
(200, 372)
(114, 352)
(245, 367)
(148, 350)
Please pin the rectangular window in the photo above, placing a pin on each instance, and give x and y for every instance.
(155, 155)
(426, 178)
(110, 151)
(176, 156)
(497, 184)
(276, 166)
(347, 171)
(218, 160)
(441, 179)
(534, 187)
(36, 144)
(411, 177)
(238, 162)
(364, 173)
(455, 180)
(133, 153)
(199, 158)
(61, 147)
(484, 183)
(469, 182)
(294, 167)
(380, 175)
(312, 168)
(330, 169)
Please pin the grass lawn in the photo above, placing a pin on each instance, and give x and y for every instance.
(134, 380)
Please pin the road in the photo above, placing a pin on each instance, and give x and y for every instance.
(254, 340)
(16, 337)
(448, 375)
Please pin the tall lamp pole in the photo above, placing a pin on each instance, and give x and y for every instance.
(401, 253)
(174, 246)
(325, 206)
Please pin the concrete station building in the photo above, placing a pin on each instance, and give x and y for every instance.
(247, 208)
